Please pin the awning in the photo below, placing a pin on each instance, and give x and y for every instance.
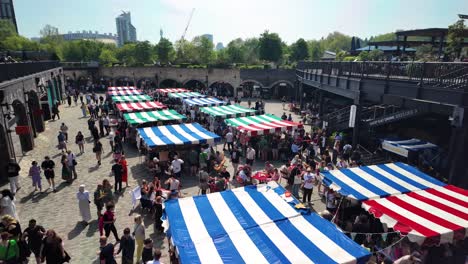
(152, 116)
(120, 88)
(375, 181)
(171, 90)
(132, 98)
(433, 216)
(254, 224)
(186, 95)
(228, 111)
(140, 106)
(403, 147)
(261, 124)
(124, 92)
(209, 101)
(172, 135)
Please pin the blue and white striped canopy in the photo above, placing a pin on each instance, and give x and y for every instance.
(370, 182)
(172, 135)
(403, 147)
(254, 225)
(204, 102)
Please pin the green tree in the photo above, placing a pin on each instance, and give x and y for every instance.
(185, 51)
(455, 38)
(299, 50)
(126, 54)
(203, 50)
(107, 57)
(7, 29)
(270, 47)
(144, 53)
(363, 56)
(337, 41)
(340, 55)
(376, 55)
(316, 49)
(425, 53)
(236, 51)
(222, 58)
(16, 42)
(252, 50)
(164, 51)
(384, 37)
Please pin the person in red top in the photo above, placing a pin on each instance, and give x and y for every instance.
(109, 221)
(124, 164)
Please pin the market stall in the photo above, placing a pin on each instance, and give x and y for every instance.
(124, 92)
(186, 95)
(254, 224)
(405, 147)
(431, 217)
(131, 98)
(139, 118)
(208, 101)
(261, 124)
(120, 88)
(166, 91)
(375, 181)
(176, 135)
(228, 111)
(140, 106)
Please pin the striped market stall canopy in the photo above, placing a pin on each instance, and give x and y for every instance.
(209, 101)
(132, 98)
(403, 147)
(124, 92)
(186, 95)
(228, 111)
(376, 181)
(152, 116)
(431, 217)
(177, 135)
(140, 106)
(171, 90)
(120, 88)
(254, 224)
(261, 124)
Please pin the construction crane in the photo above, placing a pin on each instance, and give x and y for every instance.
(188, 24)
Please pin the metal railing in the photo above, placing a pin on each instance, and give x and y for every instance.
(438, 74)
(9, 71)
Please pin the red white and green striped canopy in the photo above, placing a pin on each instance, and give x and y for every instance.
(132, 98)
(138, 118)
(228, 111)
(121, 88)
(124, 92)
(140, 106)
(261, 124)
(186, 95)
(171, 90)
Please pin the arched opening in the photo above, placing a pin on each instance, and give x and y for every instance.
(169, 83)
(25, 139)
(194, 85)
(222, 88)
(35, 112)
(145, 83)
(282, 88)
(124, 81)
(250, 88)
(5, 154)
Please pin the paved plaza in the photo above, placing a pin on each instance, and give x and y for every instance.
(60, 211)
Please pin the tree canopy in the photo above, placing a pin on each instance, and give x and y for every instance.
(270, 47)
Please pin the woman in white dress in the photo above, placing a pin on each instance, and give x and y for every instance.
(83, 203)
(7, 204)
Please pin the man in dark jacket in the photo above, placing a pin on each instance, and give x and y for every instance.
(13, 169)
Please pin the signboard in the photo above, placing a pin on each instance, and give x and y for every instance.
(352, 116)
(22, 130)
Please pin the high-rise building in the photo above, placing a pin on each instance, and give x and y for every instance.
(219, 46)
(7, 11)
(208, 36)
(126, 32)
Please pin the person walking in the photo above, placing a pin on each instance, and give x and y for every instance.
(7, 204)
(9, 249)
(13, 170)
(48, 166)
(71, 158)
(52, 251)
(235, 156)
(109, 221)
(64, 130)
(106, 255)
(106, 123)
(177, 166)
(55, 111)
(33, 235)
(111, 140)
(117, 170)
(79, 140)
(98, 199)
(308, 186)
(250, 156)
(158, 213)
(35, 174)
(124, 164)
(62, 144)
(66, 174)
(127, 247)
(83, 203)
(97, 149)
(139, 234)
(83, 109)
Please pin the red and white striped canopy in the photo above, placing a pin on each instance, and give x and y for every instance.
(120, 88)
(261, 124)
(124, 92)
(433, 216)
(140, 106)
(171, 90)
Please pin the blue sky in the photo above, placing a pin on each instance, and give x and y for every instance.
(229, 19)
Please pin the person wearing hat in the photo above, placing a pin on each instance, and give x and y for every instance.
(308, 186)
(83, 203)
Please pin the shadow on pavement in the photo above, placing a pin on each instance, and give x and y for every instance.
(79, 227)
(92, 228)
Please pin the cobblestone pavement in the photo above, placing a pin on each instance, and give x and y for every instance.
(60, 211)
